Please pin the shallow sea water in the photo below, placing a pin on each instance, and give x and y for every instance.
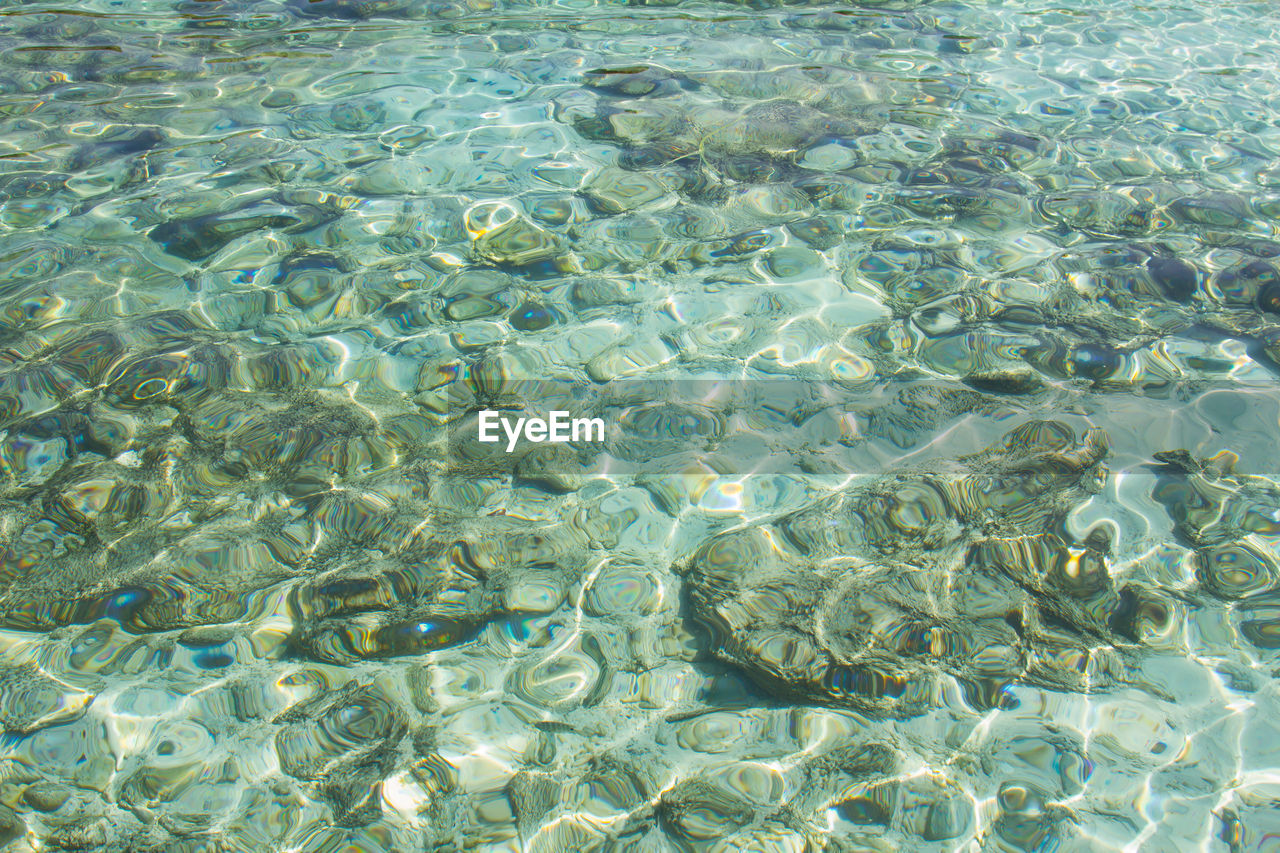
(937, 344)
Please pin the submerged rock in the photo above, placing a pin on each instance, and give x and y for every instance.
(46, 796)
(617, 190)
(661, 131)
(116, 146)
(1232, 520)
(1269, 298)
(518, 243)
(532, 317)
(632, 81)
(31, 700)
(11, 826)
(200, 237)
(1210, 503)
(31, 185)
(1177, 278)
(360, 10)
(345, 742)
(869, 597)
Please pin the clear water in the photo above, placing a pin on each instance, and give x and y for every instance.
(938, 346)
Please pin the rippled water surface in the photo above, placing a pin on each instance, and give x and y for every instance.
(937, 344)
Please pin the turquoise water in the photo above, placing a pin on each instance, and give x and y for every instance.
(936, 346)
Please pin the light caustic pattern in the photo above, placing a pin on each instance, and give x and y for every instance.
(259, 258)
